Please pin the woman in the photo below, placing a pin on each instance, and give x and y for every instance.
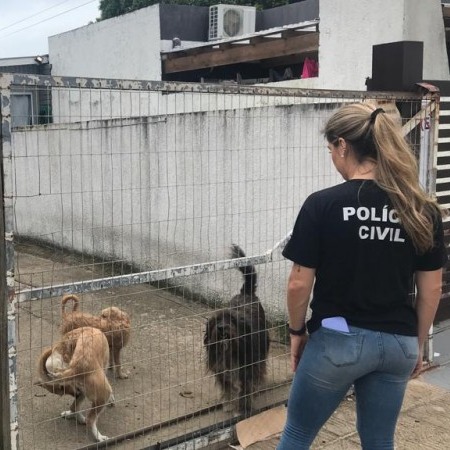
(365, 243)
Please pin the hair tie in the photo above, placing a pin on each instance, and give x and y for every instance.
(375, 113)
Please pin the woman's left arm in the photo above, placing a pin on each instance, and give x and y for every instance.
(429, 291)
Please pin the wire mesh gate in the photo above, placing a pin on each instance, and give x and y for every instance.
(129, 194)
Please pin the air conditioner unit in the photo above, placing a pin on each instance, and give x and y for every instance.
(227, 21)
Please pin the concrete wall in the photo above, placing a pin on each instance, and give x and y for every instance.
(189, 23)
(349, 29)
(125, 47)
(424, 22)
(287, 14)
(174, 190)
(75, 105)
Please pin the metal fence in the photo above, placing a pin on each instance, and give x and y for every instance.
(130, 194)
(443, 178)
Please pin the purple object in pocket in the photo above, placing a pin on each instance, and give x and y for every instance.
(337, 323)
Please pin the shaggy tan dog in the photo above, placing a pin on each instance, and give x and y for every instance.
(76, 366)
(114, 322)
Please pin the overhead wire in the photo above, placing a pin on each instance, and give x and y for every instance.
(33, 15)
(48, 18)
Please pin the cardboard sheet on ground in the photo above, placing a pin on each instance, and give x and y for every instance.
(261, 427)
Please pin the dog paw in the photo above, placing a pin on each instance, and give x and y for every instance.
(112, 401)
(68, 415)
(122, 374)
(97, 435)
(100, 437)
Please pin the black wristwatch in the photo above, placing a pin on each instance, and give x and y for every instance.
(300, 332)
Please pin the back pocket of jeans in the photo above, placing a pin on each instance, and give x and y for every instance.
(342, 349)
(409, 345)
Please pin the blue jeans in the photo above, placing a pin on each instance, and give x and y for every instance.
(377, 364)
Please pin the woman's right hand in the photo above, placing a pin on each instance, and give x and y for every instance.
(419, 365)
(297, 346)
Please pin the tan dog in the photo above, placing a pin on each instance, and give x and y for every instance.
(114, 322)
(76, 366)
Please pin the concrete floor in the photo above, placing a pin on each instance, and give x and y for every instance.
(424, 423)
(440, 375)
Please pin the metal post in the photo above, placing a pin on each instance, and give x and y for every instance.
(432, 174)
(426, 139)
(5, 439)
(8, 341)
(428, 168)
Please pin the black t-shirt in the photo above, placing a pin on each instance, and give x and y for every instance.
(363, 258)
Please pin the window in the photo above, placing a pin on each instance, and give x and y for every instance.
(21, 109)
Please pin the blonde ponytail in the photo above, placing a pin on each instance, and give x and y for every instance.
(378, 137)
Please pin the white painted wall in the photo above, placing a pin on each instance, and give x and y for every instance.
(124, 47)
(424, 22)
(174, 190)
(349, 29)
(81, 104)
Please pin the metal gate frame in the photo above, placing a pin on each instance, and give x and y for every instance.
(9, 424)
(8, 396)
(429, 118)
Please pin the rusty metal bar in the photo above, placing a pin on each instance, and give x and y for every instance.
(8, 342)
(430, 154)
(176, 87)
(151, 276)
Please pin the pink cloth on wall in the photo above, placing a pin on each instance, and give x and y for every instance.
(310, 68)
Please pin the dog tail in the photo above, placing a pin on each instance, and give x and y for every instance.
(45, 380)
(249, 272)
(48, 381)
(66, 298)
(42, 370)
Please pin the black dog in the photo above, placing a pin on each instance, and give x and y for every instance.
(237, 342)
